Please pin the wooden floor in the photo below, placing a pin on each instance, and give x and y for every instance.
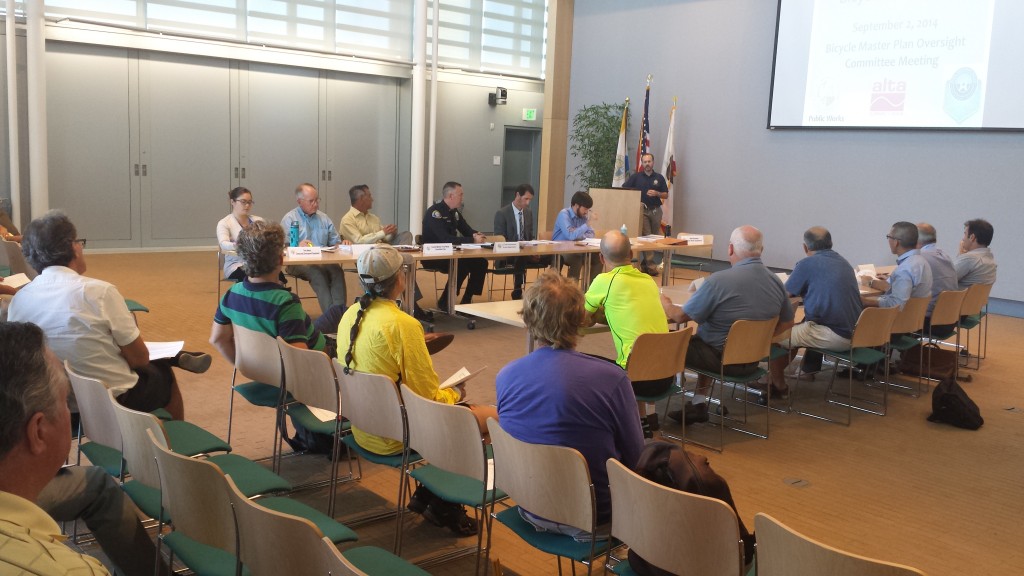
(944, 500)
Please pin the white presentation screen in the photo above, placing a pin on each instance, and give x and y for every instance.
(899, 64)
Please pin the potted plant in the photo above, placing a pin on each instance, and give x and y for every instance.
(592, 141)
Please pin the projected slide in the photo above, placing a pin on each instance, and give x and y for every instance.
(898, 63)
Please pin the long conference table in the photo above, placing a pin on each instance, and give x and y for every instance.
(346, 256)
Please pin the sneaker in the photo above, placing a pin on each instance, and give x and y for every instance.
(421, 314)
(195, 362)
(694, 413)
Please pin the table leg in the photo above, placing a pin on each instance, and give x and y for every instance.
(666, 269)
(453, 274)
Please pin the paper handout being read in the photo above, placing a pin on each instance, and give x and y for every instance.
(459, 377)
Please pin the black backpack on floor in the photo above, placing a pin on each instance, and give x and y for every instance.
(950, 404)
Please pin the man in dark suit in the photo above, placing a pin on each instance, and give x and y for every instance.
(515, 223)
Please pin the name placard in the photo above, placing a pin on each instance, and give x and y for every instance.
(358, 249)
(303, 252)
(692, 239)
(438, 249)
(506, 247)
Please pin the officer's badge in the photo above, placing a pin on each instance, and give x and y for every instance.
(436, 214)
(655, 182)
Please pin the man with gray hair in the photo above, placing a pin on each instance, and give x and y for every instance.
(746, 291)
(316, 229)
(36, 490)
(943, 273)
(828, 286)
(88, 323)
(912, 277)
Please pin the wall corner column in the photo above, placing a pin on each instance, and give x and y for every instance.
(555, 126)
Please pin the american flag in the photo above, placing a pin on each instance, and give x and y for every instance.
(644, 145)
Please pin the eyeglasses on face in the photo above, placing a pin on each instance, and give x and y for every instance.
(81, 241)
(246, 202)
(890, 236)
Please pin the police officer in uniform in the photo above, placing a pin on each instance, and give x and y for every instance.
(444, 223)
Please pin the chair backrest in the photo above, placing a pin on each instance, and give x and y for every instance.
(748, 341)
(257, 356)
(677, 531)
(545, 234)
(550, 481)
(495, 238)
(309, 377)
(948, 306)
(874, 327)
(16, 260)
(783, 551)
(138, 450)
(911, 318)
(447, 435)
(337, 565)
(656, 356)
(96, 408)
(272, 543)
(975, 299)
(195, 495)
(372, 403)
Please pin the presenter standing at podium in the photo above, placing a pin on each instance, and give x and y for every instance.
(653, 190)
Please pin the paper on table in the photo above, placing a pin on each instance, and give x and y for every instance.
(459, 377)
(158, 350)
(15, 280)
(471, 246)
(590, 241)
(696, 284)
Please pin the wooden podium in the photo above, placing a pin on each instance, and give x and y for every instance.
(615, 207)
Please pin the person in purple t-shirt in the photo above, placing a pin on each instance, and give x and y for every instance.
(560, 397)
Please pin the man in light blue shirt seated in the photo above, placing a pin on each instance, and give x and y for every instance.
(316, 229)
(573, 223)
(912, 277)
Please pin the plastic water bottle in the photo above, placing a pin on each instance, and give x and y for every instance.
(293, 234)
(624, 231)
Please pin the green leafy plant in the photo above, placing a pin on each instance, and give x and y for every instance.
(592, 141)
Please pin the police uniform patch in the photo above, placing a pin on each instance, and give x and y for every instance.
(436, 214)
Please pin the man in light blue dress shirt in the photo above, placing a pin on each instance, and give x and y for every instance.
(912, 277)
(316, 229)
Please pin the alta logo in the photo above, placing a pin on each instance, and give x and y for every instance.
(888, 95)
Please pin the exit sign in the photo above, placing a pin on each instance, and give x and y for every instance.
(530, 114)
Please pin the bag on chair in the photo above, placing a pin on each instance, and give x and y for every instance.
(670, 465)
(952, 405)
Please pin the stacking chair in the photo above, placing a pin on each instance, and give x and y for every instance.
(221, 253)
(373, 403)
(144, 488)
(95, 406)
(313, 386)
(257, 358)
(946, 313)
(689, 262)
(782, 551)
(910, 321)
(552, 482)
(868, 345)
(748, 341)
(657, 356)
(448, 437)
(16, 260)
(195, 494)
(499, 267)
(272, 542)
(676, 531)
(973, 313)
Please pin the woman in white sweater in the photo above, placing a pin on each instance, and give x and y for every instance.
(229, 227)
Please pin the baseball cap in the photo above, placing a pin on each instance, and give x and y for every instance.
(378, 264)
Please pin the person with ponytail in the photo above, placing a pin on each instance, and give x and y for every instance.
(376, 336)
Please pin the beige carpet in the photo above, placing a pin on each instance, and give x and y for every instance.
(944, 500)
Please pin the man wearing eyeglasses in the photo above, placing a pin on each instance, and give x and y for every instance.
(316, 229)
(912, 277)
(87, 323)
